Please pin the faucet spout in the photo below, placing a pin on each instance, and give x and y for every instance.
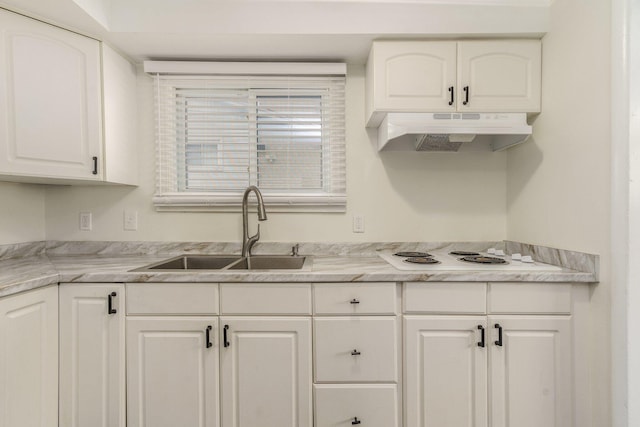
(249, 241)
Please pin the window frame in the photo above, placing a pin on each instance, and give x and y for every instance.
(328, 200)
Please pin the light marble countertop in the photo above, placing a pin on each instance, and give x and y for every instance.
(35, 271)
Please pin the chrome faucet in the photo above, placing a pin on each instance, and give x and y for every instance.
(248, 242)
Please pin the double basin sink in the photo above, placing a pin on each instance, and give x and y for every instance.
(228, 262)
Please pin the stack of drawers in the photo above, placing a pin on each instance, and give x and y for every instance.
(356, 351)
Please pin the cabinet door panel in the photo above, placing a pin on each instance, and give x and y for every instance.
(92, 356)
(502, 76)
(414, 76)
(445, 372)
(172, 377)
(266, 372)
(531, 372)
(29, 359)
(51, 100)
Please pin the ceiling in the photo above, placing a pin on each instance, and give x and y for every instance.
(314, 30)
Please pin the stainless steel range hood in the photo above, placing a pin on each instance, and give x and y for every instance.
(452, 131)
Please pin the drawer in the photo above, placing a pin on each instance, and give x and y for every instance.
(529, 298)
(445, 297)
(172, 298)
(354, 298)
(355, 349)
(339, 405)
(265, 298)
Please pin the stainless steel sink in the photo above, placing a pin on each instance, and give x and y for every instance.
(269, 262)
(228, 262)
(193, 262)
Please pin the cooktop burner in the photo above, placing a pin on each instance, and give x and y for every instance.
(483, 260)
(413, 254)
(422, 260)
(464, 253)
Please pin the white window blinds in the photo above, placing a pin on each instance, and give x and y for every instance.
(218, 134)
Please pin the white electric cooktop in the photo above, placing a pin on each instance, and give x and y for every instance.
(452, 262)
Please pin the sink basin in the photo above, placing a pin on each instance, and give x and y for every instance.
(227, 262)
(269, 262)
(194, 262)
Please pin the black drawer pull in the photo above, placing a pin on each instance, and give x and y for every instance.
(355, 353)
(499, 342)
(225, 338)
(466, 95)
(481, 329)
(354, 301)
(208, 337)
(451, 94)
(110, 298)
(95, 165)
(355, 421)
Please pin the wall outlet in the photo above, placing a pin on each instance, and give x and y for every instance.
(358, 223)
(85, 221)
(130, 220)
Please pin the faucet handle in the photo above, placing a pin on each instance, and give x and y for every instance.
(294, 249)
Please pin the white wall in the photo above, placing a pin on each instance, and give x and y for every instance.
(21, 213)
(558, 187)
(403, 196)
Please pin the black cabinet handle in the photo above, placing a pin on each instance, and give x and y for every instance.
(207, 332)
(451, 95)
(481, 329)
(355, 353)
(354, 301)
(466, 95)
(499, 342)
(225, 338)
(95, 165)
(355, 421)
(110, 298)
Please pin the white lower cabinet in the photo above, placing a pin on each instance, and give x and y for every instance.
(265, 371)
(445, 361)
(494, 370)
(370, 405)
(172, 372)
(29, 359)
(92, 355)
(473, 355)
(531, 371)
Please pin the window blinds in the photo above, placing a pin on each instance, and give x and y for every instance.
(218, 134)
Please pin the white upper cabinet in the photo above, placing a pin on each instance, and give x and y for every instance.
(499, 76)
(412, 76)
(476, 76)
(51, 106)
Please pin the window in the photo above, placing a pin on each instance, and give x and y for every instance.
(218, 134)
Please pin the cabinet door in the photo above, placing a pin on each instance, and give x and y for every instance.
(50, 101)
(499, 76)
(414, 76)
(172, 373)
(531, 371)
(29, 359)
(266, 372)
(92, 357)
(445, 371)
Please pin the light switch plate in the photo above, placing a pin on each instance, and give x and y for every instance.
(358, 223)
(130, 220)
(85, 221)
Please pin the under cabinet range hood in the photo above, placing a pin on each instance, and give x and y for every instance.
(450, 132)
